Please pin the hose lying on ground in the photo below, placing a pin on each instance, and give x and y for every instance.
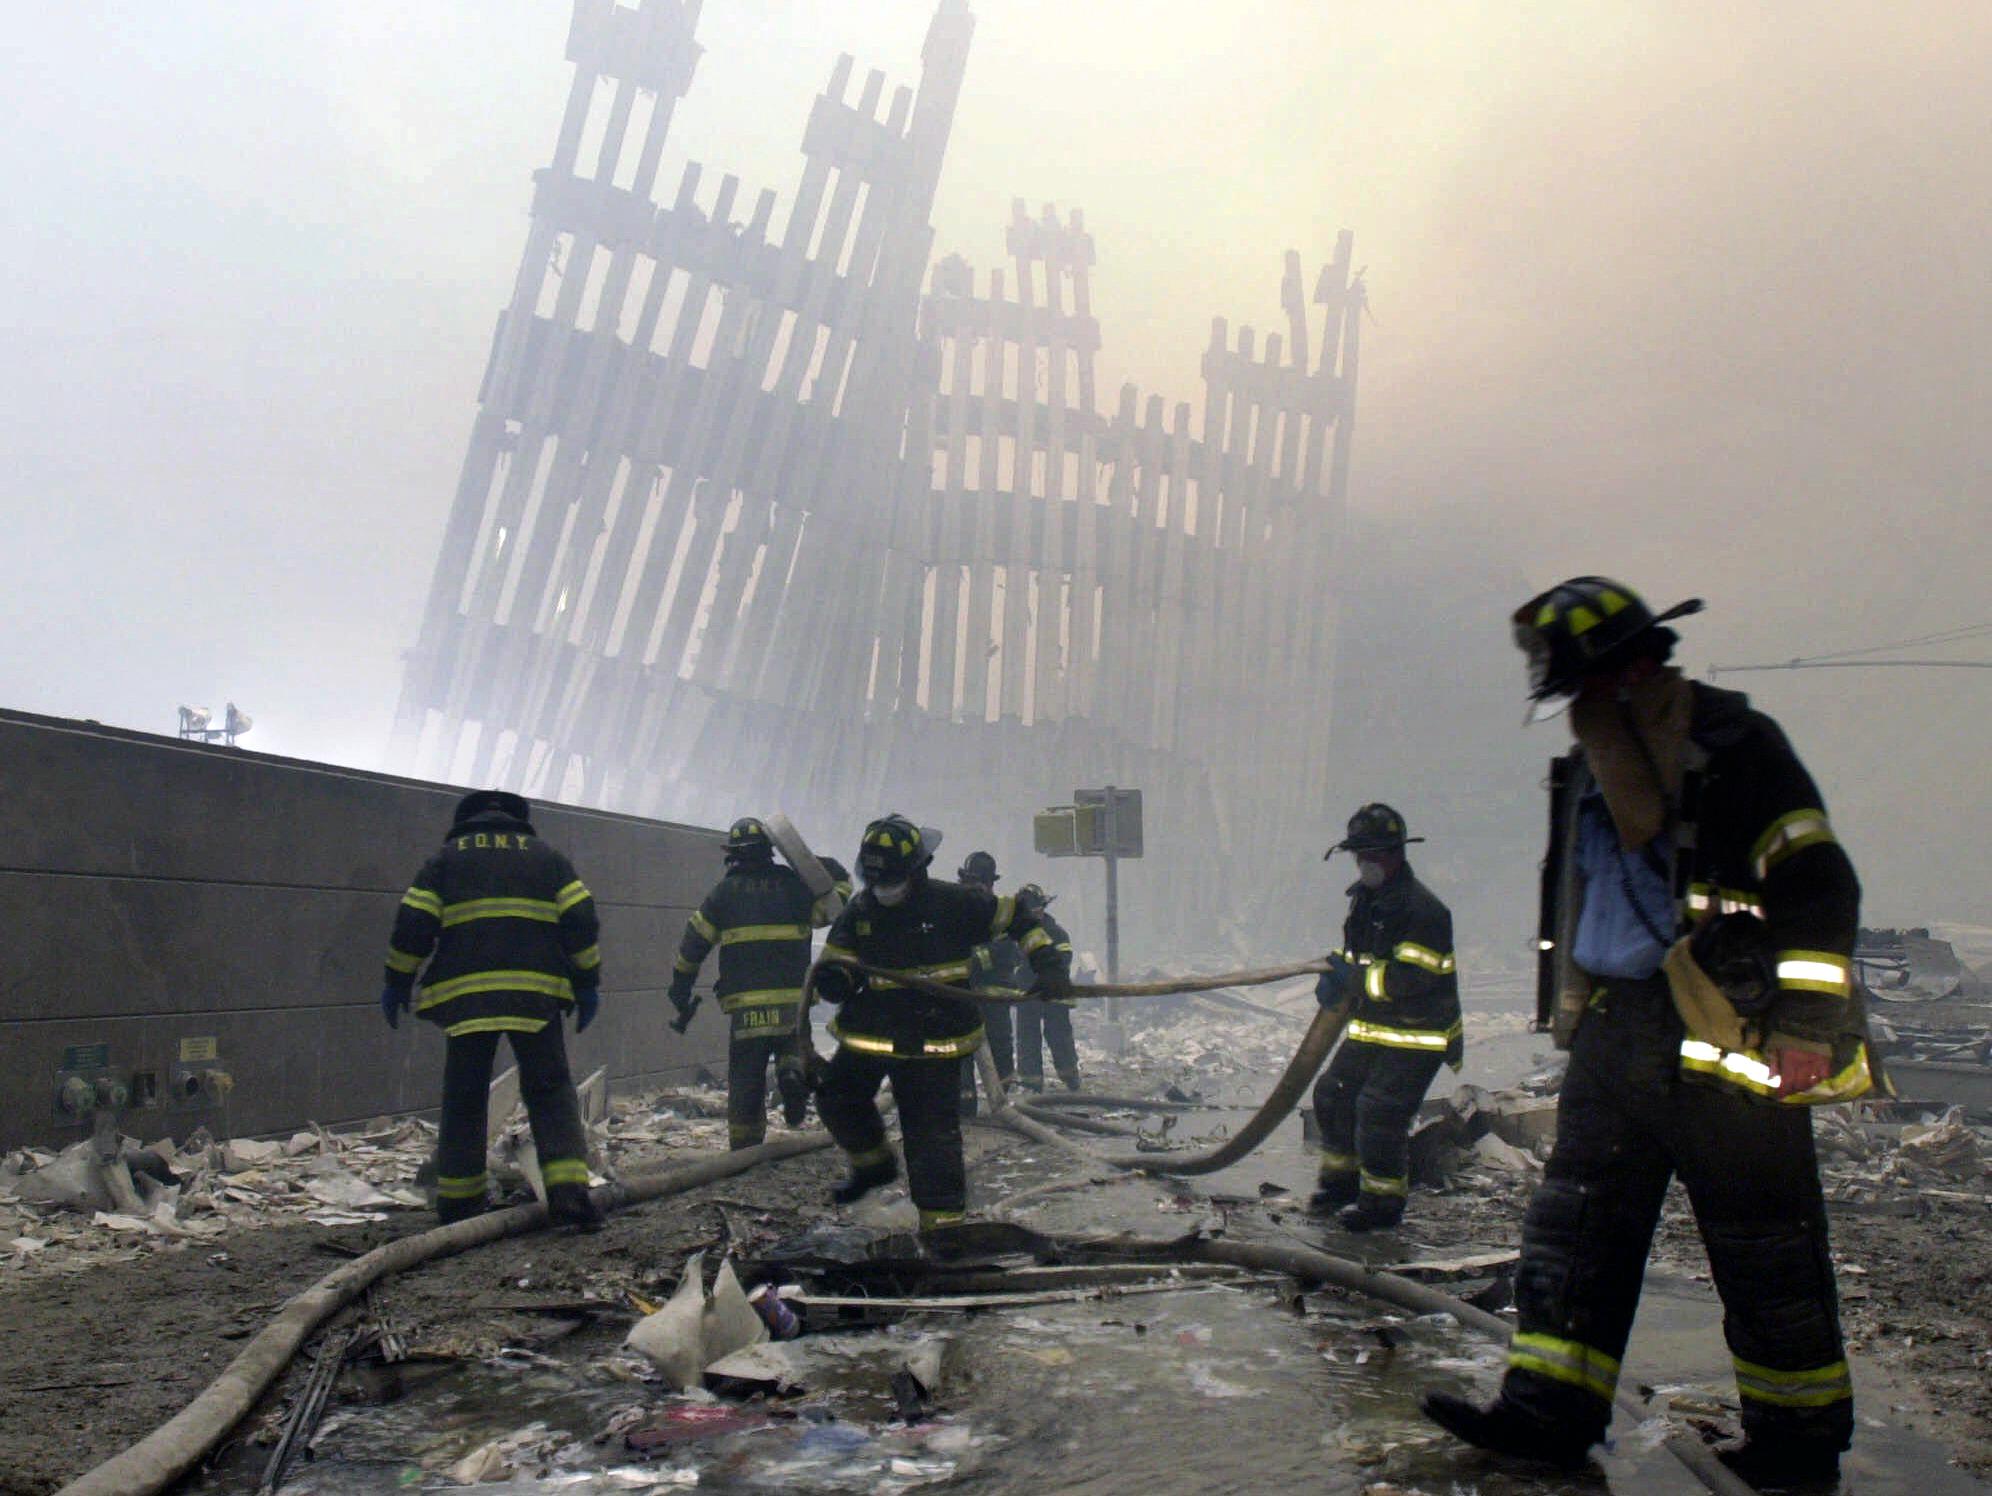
(170, 1451)
(1299, 1074)
(1322, 1267)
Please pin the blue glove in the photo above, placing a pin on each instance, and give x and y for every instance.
(587, 1002)
(392, 1000)
(1331, 990)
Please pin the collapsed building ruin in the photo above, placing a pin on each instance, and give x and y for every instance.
(748, 521)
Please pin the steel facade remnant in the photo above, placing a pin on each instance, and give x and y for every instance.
(748, 519)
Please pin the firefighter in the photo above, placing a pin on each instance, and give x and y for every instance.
(997, 966)
(1698, 933)
(904, 920)
(759, 914)
(1042, 1023)
(1396, 968)
(511, 940)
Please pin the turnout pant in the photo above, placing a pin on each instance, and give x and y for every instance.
(548, 1091)
(770, 1035)
(929, 1124)
(1365, 1101)
(1041, 1024)
(1626, 1124)
(1001, 1038)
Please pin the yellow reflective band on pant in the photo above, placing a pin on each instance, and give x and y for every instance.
(401, 961)
(741, 933)
(929, 1219)
(745, 1132)
(1383, 1184)
(769, 997)
(866, 1158)
(1815, 971)
(1410, 951)
(425, 901)
(930, 1049)
(541, 982)
(1362, 1031)
(1815, 1387)
(1565, 1361)
(460, 1186)
(564, 1171)
(1338, 1163)
(495, 1026)
(1749, 1071)
(541, 910)
(574, 893)
(1788, 834)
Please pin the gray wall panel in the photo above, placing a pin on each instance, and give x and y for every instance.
(155, 893)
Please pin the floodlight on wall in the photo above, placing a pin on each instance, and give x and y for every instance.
(235, 723)
(194, 721)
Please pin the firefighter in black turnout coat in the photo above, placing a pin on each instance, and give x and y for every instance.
(510, 936)
(1396, 967)
(759, 915)
(1698, 936)
(906, 921)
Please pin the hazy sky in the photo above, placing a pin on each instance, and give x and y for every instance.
(1693, 293)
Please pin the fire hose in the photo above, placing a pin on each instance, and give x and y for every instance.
(1306, 1063)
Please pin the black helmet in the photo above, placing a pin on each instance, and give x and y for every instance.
(893, 849)
(491, 802)
(1587, 625)
(1374, 828)
(1032, 897)
(747, 840)
(978, 867)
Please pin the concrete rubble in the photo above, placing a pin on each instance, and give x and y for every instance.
(64, 1211)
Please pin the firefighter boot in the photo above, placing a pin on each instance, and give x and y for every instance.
(572, 1205)
(1503, 1428)
(1331, 1193)
(794, 1087)
(1372, 1212)
(1069, 1079)
(864, 1178)
(1782, 1464)
(449, 1212)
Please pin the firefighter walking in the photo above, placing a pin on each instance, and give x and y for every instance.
(1045, 1023)
(905, 921)
(1396, 967)
(760, 915)
(996, 967)
(510, 936)
(1698, 933)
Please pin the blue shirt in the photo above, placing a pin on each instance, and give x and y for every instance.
(1612, 939)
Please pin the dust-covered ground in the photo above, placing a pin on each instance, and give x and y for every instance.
(97, 1356)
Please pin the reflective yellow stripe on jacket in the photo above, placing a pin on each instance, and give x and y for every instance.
(543, 910)
(740, 934)
(495, 981)
(1748, 1070)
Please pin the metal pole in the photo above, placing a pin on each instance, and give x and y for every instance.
(1116, 1036)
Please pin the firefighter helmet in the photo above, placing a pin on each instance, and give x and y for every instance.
(1587, 625)
(1033, 898)
(978, 867)
(747, 840)
(1374, 828)
(483, 802)
(892, 850)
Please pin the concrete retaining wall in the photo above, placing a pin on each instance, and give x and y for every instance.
(168, 900)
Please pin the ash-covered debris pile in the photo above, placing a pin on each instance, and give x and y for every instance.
(63, 1210)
